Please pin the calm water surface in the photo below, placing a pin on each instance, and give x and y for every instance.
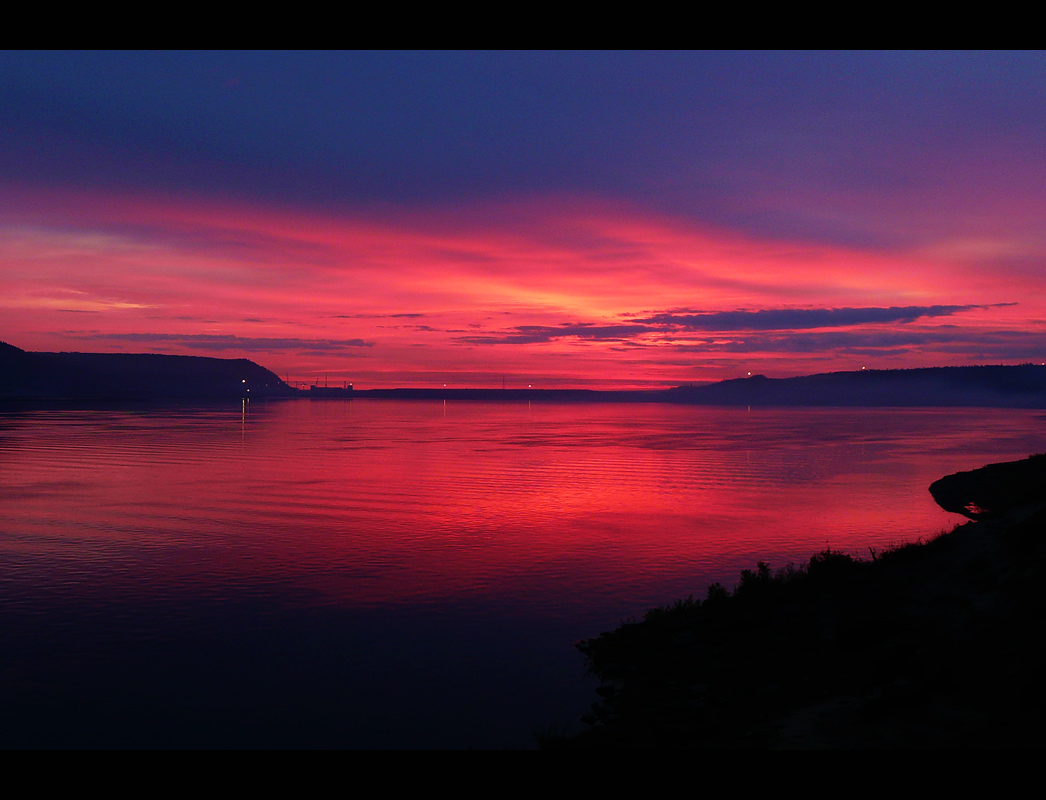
(408, 574)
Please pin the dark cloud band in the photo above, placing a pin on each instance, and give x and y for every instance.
(680, 321)
(801, 318)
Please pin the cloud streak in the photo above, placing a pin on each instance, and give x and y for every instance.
(674, 323)
(223, 342)
(798, 319)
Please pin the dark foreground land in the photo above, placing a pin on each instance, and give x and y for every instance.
(936, 644)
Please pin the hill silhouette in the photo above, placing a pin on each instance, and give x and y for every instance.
(1021, 386)
(143, 376)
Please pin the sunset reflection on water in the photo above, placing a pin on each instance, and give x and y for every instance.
(510, 524)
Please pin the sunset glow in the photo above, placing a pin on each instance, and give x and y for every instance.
(934, 261)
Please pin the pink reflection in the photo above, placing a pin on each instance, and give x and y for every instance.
(562, 508)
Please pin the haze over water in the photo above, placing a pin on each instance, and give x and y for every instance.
(398, 574)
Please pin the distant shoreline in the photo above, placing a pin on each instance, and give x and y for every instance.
(106, 377)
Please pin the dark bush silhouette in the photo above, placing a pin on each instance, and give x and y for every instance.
(933, 644)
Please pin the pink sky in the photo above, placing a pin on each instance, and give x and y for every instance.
(544, 292)
(547, 218)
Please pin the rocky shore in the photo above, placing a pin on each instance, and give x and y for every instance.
(930, 645)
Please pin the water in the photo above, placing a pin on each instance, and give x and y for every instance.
(408, 574)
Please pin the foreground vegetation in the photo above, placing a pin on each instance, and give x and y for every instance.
(934, 644)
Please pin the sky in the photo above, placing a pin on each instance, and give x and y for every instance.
(600, 220)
